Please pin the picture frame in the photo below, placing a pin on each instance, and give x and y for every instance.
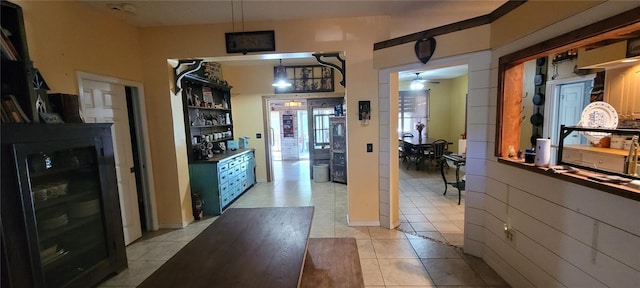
(633, 47)
(307, 79)
(51, 118)
(254, 41)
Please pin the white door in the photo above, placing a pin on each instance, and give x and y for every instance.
(106, 103)
(570, 109)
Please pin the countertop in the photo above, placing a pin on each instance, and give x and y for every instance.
(222, 156)
(581, 178)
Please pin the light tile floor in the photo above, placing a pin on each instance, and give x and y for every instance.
(423, 252)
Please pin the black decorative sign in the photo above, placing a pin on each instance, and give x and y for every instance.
(633, 47)
(255, 41)
(424, 49)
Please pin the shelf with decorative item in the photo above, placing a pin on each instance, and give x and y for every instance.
(209, 108)
(211, 126)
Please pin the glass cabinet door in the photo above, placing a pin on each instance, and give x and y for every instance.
(63, 200)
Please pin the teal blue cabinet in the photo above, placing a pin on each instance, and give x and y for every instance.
(222, 179)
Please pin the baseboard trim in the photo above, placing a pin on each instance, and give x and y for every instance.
(363, 223)
(171, 226)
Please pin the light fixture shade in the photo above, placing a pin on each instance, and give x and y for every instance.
(280, 77)
(417, 84)
(293, 103)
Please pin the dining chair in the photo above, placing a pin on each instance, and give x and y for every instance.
(438, 148)
(401, 147)
(412, 156)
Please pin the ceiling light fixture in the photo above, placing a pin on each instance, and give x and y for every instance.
(280, 80)
(293, 103)
(417, 83)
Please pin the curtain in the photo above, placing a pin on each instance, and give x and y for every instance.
(413, 108)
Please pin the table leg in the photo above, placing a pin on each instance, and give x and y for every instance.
(442, 164)
(458, 182)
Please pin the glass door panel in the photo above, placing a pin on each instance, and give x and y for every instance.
(61, 186)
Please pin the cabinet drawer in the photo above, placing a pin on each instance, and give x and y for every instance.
(572, 156)
(236, 180)
(233, 162)
(223, 177)
(232, 173)
(613, 163)
(222, 167)
(247, 158)
(224, 189)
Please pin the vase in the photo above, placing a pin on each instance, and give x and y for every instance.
(419, 136)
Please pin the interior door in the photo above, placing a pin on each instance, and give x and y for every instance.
(570, 109)
(106, 103)
(319, 111)
(274, 135)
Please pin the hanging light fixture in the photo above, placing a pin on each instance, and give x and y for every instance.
(293, 103)
(417, 83)
(280, 80)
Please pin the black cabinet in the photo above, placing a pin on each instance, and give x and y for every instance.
(61, 224)
(17, 69)
(338, 138)
(207, 112)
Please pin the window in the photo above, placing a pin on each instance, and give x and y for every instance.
(512, 123)
(321, 127)
(413, 108)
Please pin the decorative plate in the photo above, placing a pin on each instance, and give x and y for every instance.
(598, 115)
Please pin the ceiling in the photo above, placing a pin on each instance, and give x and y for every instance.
(145, 13)
(169, 13)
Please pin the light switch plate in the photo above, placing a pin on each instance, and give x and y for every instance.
(369, 147)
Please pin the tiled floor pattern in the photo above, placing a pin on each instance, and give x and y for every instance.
(424, 255)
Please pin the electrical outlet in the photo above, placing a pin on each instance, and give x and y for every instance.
(508, 232)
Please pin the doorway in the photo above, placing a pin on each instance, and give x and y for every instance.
(289, 116)
(478, 94)
(288, 135)
(105, 99)
(568, 99)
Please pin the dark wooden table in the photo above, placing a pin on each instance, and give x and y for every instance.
(419, 146)
(245, 247)
(458, 161)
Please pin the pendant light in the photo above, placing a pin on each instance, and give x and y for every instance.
(417, 84)
(293, 103)
(280, 80)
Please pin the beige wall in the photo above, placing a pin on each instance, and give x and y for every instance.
(65, 37)
(533, 16)
(353, 36)
(458, 112)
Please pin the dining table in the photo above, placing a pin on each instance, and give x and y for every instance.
(418, 146)
(458, 161)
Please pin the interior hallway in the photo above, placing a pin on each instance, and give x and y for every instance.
(422, 252)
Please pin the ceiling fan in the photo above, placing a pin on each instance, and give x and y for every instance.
(417, 84)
